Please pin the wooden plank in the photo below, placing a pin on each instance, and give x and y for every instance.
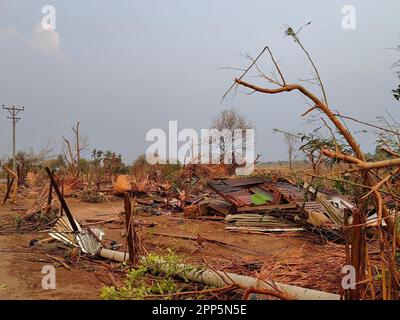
(9, 186)
(132, 237)
(244, 181)
(221, 207)
(269, 207)
(62, 201)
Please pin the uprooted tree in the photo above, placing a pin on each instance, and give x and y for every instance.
(374, 178)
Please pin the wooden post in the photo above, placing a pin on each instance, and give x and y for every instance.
(128, 209)
(132, 239)
(62, 201)
(21, 175)
(14, 181)
(18, 175)
(358, 252)
(347, 238)
(62, 193)
(50, 196)
(9, 186)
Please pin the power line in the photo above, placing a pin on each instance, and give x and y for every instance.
(14, 117)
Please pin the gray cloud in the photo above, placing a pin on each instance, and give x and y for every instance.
(127, 67)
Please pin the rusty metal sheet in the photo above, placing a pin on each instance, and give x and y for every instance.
(289, 192)
(221, 186)
(237, 192)
(311, 206)
(242, 195)
(243, 182)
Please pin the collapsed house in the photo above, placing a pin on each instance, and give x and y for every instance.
(257, 205)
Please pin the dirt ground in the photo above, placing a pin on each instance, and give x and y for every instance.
(21, 265)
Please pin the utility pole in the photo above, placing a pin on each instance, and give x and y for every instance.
(14, 112)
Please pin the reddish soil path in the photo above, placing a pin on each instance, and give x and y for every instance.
(21, 266)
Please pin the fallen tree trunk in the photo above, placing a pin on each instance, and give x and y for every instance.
(221, 279)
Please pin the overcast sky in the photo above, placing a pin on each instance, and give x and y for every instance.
(124, 67)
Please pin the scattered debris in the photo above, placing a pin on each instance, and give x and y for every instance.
(262, 205)
(252, 205)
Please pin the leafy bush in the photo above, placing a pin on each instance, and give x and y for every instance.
(145, 281)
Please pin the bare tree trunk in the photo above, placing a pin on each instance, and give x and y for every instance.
(71, 160)
(78, 150)
(132, 238)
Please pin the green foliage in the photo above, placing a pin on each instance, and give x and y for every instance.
(141, 168)
(92, 197)
(169, 170)
(290, 33)
(339, 186)
(97, 157)
(396, 93)
(57, 163)
(84, 165)
(30, 160)
(18, 221)
(386, 139)
(145, 281)
(46, 218)
(112, 162)
(398, 260)
(313, 143)
(398, 225)
(108, 162)
(260, 199)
